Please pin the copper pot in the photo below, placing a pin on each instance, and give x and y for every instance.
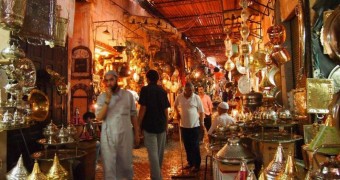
(277, 34)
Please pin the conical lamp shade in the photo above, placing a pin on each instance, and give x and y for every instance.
(276, 166)
(326, 135)
(290, 172)
(57, 172)
(19, 171)
(36, 173)
(261, 174)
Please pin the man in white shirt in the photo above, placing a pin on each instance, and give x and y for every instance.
(222, 119)
(190, 113)
(117, 109)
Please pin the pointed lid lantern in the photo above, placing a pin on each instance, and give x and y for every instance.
(19, 171)
(290, 172)
(234, 153)
(57, 172)
(36, 173)
(276, 166)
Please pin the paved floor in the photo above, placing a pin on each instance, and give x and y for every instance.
(171, 164)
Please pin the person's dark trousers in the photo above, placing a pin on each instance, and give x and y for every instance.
(190, 138)
(207, 125)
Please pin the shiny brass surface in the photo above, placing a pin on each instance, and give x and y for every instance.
(290, 172)
(36, 173)
(300, 103)
(319, 88)
(40, 105)
(234, 153)
(276, 166)
(57, 171)
(19, 171)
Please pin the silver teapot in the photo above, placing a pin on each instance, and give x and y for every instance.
(63, 135)
(284, 114)
(270, 114)
(72, 131)
(7, 119)
(50, 132)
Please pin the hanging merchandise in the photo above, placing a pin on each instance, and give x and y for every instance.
(39, 22)
(319, 88)
(12, 13)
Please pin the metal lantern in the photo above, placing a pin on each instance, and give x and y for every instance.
(12, 13)
(36, 173)
(57, 172)
(276, 166)
(19, 171)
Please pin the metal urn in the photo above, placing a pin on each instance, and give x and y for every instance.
(252, 100)
(290, 172)
(19, 171)
(72, 131)
(63, 135)
(36, 173)
(50, 132)
(276, 166)
(234, 153)
(57, 172)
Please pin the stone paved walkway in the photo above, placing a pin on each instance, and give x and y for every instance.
(171, 164)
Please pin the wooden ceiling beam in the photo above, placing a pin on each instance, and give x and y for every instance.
(178, 3)
(208, 15)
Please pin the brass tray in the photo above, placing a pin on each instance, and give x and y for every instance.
(319, 95)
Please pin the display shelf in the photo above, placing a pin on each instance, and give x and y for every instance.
(44, 142)
(21, 126)
(279, 123)
(275, 137)
(63, 154)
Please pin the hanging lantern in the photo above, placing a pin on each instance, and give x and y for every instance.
(229, 66)
(12, 14)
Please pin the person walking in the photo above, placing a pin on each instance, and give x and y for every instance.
(189, 109)
(208, 107)
(153, 117)
(116, 108)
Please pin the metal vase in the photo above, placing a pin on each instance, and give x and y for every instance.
(12, 13)
(19, 171)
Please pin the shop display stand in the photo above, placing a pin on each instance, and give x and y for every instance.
(272, 134)
(69, 155)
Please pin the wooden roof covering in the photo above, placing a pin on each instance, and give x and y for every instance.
(204, 22)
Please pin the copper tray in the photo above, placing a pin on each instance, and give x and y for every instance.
(319, 95)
